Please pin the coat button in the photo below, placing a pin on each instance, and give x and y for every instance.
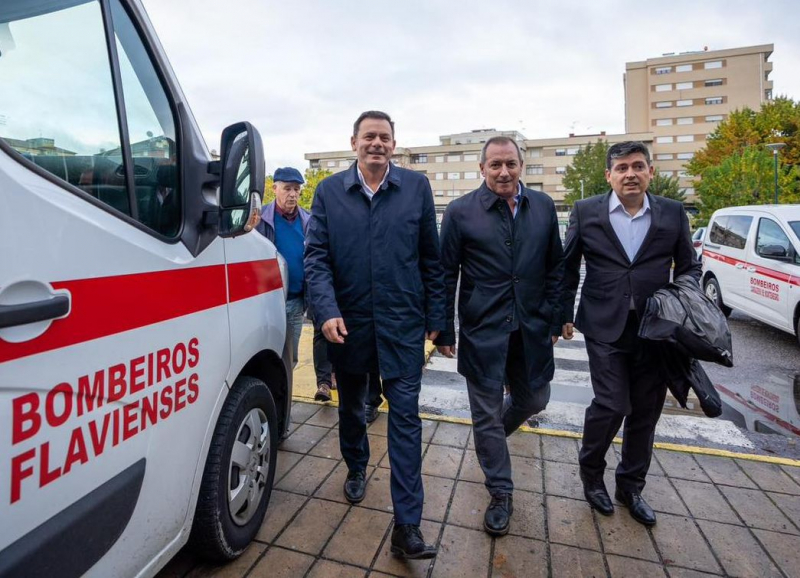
(508, 242)
(516, 279)
(508, 319)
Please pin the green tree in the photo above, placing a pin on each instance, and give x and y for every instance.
(312, 178)
(777, 121)
(666, 186)
(589, 166)
(745, 178)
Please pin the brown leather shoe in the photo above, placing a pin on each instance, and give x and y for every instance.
(323, 392)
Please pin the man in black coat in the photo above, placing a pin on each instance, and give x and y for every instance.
(377, 290)
(629, 240)
(504, 241)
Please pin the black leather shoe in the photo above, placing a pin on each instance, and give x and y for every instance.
(498, 515)
(639, 509)
(354, 487)
(597, 495)
(371, 412)
(408, 543)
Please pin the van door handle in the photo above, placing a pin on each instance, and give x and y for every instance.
(740, 265)
(24, 313)
(751, 269)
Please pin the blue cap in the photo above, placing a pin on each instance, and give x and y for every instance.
(287, 175)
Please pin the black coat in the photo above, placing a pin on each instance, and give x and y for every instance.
(611, 278)
(376, 265)
(511, 272)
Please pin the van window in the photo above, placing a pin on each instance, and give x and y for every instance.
(59, 109)
(731, 231)
(770, 234)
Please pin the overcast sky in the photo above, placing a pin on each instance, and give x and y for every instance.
(301, 71)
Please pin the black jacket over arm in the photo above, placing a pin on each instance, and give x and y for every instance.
(611, 278)
(511, 272)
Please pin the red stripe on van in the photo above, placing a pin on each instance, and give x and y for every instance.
(104, 306)
(771, 273)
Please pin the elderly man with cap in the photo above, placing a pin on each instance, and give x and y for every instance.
(285, 222)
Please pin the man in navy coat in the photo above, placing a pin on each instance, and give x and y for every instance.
(504, 241)
(377, 290)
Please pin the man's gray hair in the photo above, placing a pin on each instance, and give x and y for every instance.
(623, 149)
(500, 140)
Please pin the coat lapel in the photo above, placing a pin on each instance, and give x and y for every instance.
(655, 222)
(605, 222)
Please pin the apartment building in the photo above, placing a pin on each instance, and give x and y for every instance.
(680, 99)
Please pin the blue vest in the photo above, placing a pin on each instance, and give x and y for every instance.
(289, 241)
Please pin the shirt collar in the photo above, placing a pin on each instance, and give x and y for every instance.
(615, 204)
(364, 183)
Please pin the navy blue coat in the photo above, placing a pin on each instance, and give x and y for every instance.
(376, 265)
(511, 273)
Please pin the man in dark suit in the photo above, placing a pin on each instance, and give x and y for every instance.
(629, 240)
(377, 290)
(504, 241)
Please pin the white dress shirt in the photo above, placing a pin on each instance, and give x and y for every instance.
(630, 229)
(365, 187)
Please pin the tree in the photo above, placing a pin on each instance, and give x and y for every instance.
(746, 178)
(666, 186)
(589, 166)
(312, 178)
(777, 121)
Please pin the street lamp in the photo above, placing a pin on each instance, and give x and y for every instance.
(581, 189)
(775, 147)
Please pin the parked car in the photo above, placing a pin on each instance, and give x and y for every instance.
(697, 241)
(751, 262)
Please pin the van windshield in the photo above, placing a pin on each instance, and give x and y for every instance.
(795, 225)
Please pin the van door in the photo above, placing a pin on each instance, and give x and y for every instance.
(114, 338)
(725, 248)
(769, 272)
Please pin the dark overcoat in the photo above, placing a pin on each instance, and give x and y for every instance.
(612, 279)
(511, 270)
(376, 265)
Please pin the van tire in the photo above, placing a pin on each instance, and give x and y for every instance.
(714, 293)
(218, 533)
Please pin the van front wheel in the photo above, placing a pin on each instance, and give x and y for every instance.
(713, 292)
(239, 472)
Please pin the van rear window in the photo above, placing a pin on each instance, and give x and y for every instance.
(731, 231)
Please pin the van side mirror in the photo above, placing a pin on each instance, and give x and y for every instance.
(242, 175)
(777, 252)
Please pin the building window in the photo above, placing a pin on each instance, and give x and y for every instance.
(664, 157)
(419, 159)
(684, 85)
(665, 173)
(453, 176)
(685, 156)
(714, 100)
(686, 120)
(664, 122)
(471, 175)
(561, 170)
(664, 104)
(453, 158)
(682, 174)
(688, 102)
(314, 164)
(331, 163)
(470, 157)
(345, 164)
(534, 153)
(439, 158)
(453, 193)
(572, 152)
(664, 139)
(686, 138)
(689, 191)
(561, 152)
(663, 87)
(714, 82)
(663, 70)
(712, 64)
(438, 193)
(534, 170)
(439, 176)
(683, 68)
(714, 118)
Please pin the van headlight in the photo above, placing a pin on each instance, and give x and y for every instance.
(284, 275)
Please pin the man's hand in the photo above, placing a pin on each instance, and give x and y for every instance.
(447, 350)
(431, 335)
(334, 330)
(567, 331)
(555, 339)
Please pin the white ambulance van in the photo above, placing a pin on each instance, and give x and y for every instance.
(751, 262)
(145, 374)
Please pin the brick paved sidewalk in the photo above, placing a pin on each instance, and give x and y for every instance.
(716, 515)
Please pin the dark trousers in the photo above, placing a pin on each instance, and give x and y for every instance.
(404, 437)
(324, 370)
(494, 417)
(627, 386)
